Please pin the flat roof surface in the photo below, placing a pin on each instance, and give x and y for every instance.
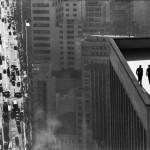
(134, 48)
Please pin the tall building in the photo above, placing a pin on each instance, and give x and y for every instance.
(109, 17)
(70, 17)
(121, 17)
(43, 31)
(116, 108)
(97, 16)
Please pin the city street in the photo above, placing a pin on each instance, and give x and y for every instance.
(11, 97)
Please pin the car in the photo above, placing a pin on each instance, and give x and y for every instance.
(0, 40)
(5, 107)
(3, 19)
(13, 66)
(18, 94)
(9, 33)
(1, 61)
(6, 94)
(17, 72)
(0, 76)
(15, 47)
(4, 71)
(13, 82)
(14, 33)
(1, 88)
(18, 84)
(8, 72)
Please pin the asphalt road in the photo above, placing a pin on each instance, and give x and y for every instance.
(10, 57)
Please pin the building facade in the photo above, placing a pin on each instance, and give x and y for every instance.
(70, 17)
(115, 118)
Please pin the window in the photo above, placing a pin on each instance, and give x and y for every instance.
(74, 4)
(41, 38)
(74, 15)
(41, 18)
(70, 32)
(42, 45)
(67, 9)
(74, 9)
(40, 11)
(42, 58)
(70, 47)
(40, 5)
(70, 53)
(41, 25)
(41, 31)
(42, 52)
(67, 4)
(70, 37)
(70, 21)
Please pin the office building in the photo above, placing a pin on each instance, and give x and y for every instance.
(97, 17)
(43, 31)
(70, 17)
(116, 108)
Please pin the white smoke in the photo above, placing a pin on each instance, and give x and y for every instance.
(45, 138)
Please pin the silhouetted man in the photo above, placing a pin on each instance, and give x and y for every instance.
(148, 73)
(139, 73)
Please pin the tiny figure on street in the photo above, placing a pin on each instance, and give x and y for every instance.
(139, 73)
(148, 73)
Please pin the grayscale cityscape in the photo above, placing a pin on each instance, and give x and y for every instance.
(74, 75)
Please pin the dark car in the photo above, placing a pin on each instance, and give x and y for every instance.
(6, 94)
(17, 72)
(13, 82)
(5, 107)
(15, 47)
(14, 33)
(4, 71)
(1, 61)
(1, 88)
(3, 19)
(0, 41)
(18, 95)
(18, 84)
(0, 76)
(8, 72)
(9, 33)
(13, 66)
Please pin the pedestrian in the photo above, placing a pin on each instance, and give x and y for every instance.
(148, 73)
(139, 73)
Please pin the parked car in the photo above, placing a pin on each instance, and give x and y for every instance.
(18, 95)
(6, 94)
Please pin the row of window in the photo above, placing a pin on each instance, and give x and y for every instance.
(40, 5)
(73, 9)
(42, 52)
(69, 63)
(40, 11)
(74, 4)
(41, 18)
(42, 58)
(41, 31)
(41, 25)
(41, 38)
(62, 52)
(42, 44)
